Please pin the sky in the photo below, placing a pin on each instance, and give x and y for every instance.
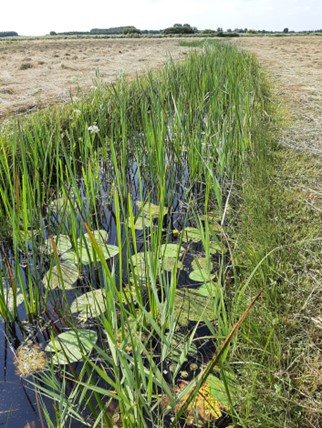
(39, 17)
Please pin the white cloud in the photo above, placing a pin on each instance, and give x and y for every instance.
(42, 16)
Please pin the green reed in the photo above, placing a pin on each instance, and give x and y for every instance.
(195, 118)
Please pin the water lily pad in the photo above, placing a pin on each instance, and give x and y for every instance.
(140, 223)
(180, 349)
(87, 254)
(9, 299)
(201, 275)
(201, 263)
(217, 247)
(141, 264)
(60, 205)
(171, 250)
(212, 216)
(218, 391)
(191, 234)
(169, 263)
(208, 290)
(70, 346)
(100, 236)
(89, 305)
(205, 404)
(151, 210)
(62, 243)
(63, 276)
(191, 306)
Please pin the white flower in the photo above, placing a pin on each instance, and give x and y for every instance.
(93, 129)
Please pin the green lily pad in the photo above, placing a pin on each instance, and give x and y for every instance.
(9, 299)
(100, 236)
(70, 346)
(179, 348)
(29, 234)
(212, 216)
(87, 254)
(150, 210)
(63, 276)
(208, 290)
(201, 275)
(89, 305)
(191, 234)
(218, 391)
(140, 223)
(169, 263)
(141, 264)
(201, 263)
(190, 306)
(171, 250)
(60, 205)
(217, 247)
(61, 242)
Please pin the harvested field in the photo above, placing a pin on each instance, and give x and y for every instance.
(295, 63)
(37, 73)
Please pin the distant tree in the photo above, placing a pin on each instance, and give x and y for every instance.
(53, 33)
(285, 30)
(8, 34)
(208, 31)
(220, 30)
(131, 30)
(180, 29)
(229, 30)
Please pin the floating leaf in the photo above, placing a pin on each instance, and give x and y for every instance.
(100, 236)
(212, 216)
(89, 305)
(169, 263)
(151, 210)
(141, 264)
(201, 275)
(171, 250)
(62, 276)
(181, 348)
(10, 300)
(29, 234)
(140, 223)
(191, 234)
(70, 346)
(202, 263)
(217, 389)
(86, 254)
(62, 243)
(217, 247)
(205, 406)
(209, 289)
(60, 205)
(190, 306)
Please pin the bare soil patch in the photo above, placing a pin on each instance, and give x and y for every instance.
(37, 73)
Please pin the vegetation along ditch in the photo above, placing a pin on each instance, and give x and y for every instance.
(137, 242)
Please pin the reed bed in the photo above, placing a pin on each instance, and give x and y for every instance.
(116, 265)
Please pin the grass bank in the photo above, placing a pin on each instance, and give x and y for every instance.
(279, 352)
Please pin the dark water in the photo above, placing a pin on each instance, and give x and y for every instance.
(18, 406)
